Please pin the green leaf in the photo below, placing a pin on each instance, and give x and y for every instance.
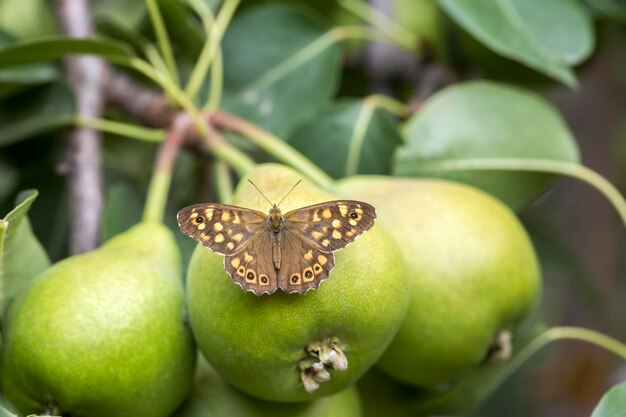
(6, 413)
(123, 209)
(483, 120)
(35, 112)
(351, 137)
(613, 403)
(113, 29)
(21, 255)
(528, 32)
(281, 67)
(57, 47)
(16, 78)
(6, 410)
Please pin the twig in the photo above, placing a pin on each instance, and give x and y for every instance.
(138, 101)
(84, 156)
(163, 168)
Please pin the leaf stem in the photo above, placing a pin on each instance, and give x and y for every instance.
(217, 70)
(218, 146)
(364, 33)
(122, 129)
(369, 106)
(215, 143)
(587, 335)
(391, 105)
(400, 36)
(158, 189)
(217, 82)
(565, 333)
(162, 38)
(274, 146)
(211, 47)
(358, 136)
(168, 85)
(536, 165)
(223, 182)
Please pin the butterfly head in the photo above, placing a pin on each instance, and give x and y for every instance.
(276, 219)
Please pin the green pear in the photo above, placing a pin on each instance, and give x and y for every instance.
(471, 267)
(102, 333)
(211, 396)
(291, 347)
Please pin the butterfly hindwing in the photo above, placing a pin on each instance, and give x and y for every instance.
(223, 228)
(304, 266)
(252, 267)
(330, 226)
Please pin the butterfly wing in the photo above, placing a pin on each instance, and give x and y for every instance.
(304, 266)
(222, 228)
(332, 225)
(241, 235)
(252, 267)
(310, 236)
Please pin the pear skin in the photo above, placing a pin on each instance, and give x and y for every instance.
(258, 344)
(103, 333)
(471, 267)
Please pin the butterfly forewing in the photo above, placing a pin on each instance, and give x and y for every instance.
(223, 228)
(332, 225)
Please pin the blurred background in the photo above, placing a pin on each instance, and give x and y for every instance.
(578, 235)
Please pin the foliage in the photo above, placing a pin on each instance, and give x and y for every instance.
(277, 81)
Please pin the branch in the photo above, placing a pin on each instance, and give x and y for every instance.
(163, 168)
(84, 148)
(138, 101)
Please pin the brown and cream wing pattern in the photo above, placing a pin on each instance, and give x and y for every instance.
(304, 266)
(332, 225)
(223, 228)
(252, 267)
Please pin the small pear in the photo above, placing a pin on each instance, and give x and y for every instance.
(472, 271)
(211, 396)
(292, 347)
(102, 333)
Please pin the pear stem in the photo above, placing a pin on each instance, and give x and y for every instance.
(223, 182)
(530, 165)
(164, 165)
(272, 145)
(218, 146)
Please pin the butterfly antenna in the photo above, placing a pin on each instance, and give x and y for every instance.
(294, 186)
(261, 192)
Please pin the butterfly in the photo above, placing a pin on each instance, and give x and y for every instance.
(264, 252)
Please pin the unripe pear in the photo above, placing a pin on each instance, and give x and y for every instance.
(278, 347)
(472, 273)
(102, 333)
(211, 396)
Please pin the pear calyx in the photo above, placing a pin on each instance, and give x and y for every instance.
(326, 355)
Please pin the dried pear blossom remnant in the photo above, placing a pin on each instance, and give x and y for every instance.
(325, 355)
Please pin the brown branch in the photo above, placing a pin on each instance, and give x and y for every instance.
(180, 129)
(138, 101)
(84, 150)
